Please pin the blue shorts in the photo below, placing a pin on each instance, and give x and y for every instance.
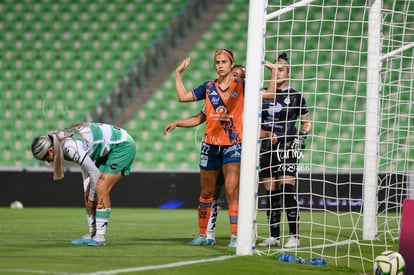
(213, 157)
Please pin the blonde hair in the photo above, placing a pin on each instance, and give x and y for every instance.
(40, 146)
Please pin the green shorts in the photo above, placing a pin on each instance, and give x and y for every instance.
(119, 159)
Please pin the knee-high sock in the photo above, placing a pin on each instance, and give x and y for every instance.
(204, 210)
(273, 213)
(102, 217)
(233, 214)
(291, 206)
(91, 223)
(211, 226)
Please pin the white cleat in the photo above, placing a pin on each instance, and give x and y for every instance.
(233, 241)
(271, 241)
(292, 242)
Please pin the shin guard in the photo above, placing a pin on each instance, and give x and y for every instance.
(233, 216)
(292, 208)
(204, 211)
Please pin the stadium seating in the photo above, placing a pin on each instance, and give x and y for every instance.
(337, 136)
(61, 57)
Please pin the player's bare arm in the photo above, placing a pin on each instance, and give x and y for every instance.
(271, 90)
(189, 122)
(182, 94)
(305, 123)
(268, 135)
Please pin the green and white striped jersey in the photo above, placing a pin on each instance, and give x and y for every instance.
(95, 140)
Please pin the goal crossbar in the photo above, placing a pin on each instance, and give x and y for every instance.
(397, 51)
(275, 14)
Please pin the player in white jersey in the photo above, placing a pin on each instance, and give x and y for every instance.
(104, 152)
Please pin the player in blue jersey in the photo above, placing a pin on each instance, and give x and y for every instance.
(104, 152)
(281, 149)
(239, 72)
(222, 139)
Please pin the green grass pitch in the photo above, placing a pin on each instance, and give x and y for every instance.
(139, 241)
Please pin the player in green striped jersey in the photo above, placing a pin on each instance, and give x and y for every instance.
(104, 152)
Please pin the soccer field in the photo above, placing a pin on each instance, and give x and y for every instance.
(140, 241)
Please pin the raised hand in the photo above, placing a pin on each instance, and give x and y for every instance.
(184, 65)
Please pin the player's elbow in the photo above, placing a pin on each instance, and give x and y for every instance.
(308, 126)
(186, 98)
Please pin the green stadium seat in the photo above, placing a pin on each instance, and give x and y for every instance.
(76, 35)
(57, 42)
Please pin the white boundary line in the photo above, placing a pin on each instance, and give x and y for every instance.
(19, 271)
(125, 270)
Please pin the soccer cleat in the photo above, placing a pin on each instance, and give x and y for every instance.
(271, 241)
(233, 241)
(210, 241)
(84, 240)
(200, 240)
(292, 242)
(97, 241)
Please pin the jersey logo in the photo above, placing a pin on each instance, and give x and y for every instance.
(212, 92)
(234, 94)
(275, 109)
(215, 100)
(236, 155)
(72, 154)
(287, 101)
(221, 110)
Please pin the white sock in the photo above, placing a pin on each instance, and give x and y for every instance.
(91, 224)
(102, 217)
(211, 226)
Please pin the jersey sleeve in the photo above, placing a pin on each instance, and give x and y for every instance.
(86, 179)
(303, 109)
(74, 151)
(93, 172)
(199, 93)
(204, 111)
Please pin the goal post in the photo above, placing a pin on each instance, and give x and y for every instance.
(353, 61)
(372, 122)
(254, 84)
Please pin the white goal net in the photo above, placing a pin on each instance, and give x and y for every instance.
(353, 62)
